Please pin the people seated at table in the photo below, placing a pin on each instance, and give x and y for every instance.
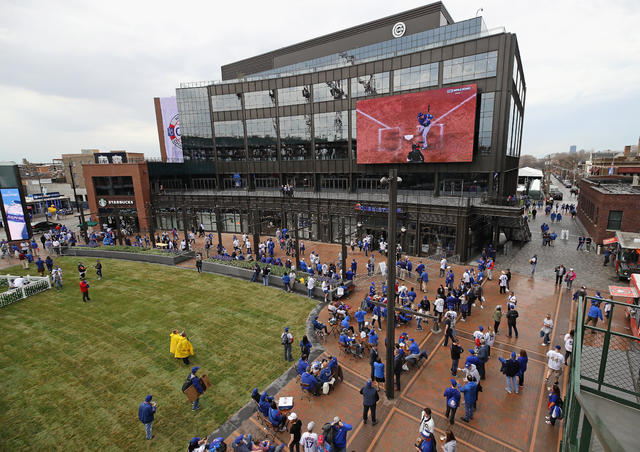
(310, 383)
(303, 364)
(319, 325)
(345, 324)
(336, 369)
(351, 343)
(415, 355)
(264, 404)
(277, 419)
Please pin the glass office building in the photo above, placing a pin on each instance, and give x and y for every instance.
(288, 117)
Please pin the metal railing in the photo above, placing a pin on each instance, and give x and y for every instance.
(33, 285)
(605, 362)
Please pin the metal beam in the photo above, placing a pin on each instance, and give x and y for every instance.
(391, 280)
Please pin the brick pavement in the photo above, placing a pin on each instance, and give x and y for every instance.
(503, 422)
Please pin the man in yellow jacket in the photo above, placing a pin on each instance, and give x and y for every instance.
(184, 349)
(175, 338)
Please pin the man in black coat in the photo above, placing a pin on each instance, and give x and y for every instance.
(398, 361)
(373, 355)
(369, 399)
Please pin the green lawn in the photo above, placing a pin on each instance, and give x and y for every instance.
(73, 374)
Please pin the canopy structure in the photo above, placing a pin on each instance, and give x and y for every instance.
(529, 172)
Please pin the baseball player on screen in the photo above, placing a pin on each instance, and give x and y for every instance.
(424, 125)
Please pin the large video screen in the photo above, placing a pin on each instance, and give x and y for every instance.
(17, 226)
(430, 126)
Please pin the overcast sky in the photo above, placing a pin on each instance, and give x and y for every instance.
(83, 74)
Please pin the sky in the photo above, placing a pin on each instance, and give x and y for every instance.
(82, 74)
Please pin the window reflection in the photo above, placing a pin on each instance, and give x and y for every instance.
(295, 137)
(331, 135)
(470, 67)
(333, 90)
(370, 85)
(226, 102)
(415, 77)
(230, 140)
(260, 99)
(195, 123)
(294, 96)
(261, 139)
(485, 128)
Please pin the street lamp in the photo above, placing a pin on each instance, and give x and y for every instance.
(392, 181)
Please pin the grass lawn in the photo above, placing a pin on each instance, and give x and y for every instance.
(73, 373)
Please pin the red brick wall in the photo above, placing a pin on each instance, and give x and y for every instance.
(594, 207)
(141, 189)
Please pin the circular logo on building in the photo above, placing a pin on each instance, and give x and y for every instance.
(102, 202)
(398, 30)
(173, 132)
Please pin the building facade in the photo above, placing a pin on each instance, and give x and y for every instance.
(609, 204)
(288, 117)
(119, 195)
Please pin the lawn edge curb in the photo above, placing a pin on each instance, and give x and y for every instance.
(235, 421)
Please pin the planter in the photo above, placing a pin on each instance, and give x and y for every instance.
(169, 259)
(243, 273)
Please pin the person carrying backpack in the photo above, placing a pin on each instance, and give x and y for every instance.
(286, 339)
(555, 406)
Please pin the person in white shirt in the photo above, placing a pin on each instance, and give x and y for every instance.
(443, 266)
(310, 284)
(426, 421)
(309, 440)
(466, 277)
(479, 333)
(502, 281)
(554, 365)
(568, 346)
(545, 331)
(438, 307)
(512, 301)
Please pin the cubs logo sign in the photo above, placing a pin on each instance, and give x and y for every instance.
(173, 131)
(102, 202)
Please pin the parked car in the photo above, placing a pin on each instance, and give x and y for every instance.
(44, 226)
(556, 194)
(567, 183)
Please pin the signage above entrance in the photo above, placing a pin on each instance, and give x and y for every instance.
(375, 209)
(102, 202)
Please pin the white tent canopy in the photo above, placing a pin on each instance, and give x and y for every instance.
(529, 172)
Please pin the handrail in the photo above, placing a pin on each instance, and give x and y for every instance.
(591, 421)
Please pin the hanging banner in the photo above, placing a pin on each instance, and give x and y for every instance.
(171, 129)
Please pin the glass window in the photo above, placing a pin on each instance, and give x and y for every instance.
(487, 101)
(615, 220)
(471, 67)
(226, 102)
(260, 99)
(295, 137)
(195, 123)
(331, 135)
(415, 77)
(229, 140)
(370, 85)
(294, 95)
(262, 139)
(354, 137)
(334, 90)
(113, 186)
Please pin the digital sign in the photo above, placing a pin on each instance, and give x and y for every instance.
(429, 126)
(13, 209)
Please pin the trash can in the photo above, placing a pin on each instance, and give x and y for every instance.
(599, 251)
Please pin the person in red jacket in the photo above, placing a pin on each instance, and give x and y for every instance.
(84, 288)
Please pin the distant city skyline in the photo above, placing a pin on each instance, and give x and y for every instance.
(84, 75)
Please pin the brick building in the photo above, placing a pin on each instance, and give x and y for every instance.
(609, 204)
(119, 193)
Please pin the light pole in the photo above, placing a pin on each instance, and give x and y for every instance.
(344, 250)
(391, 277)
